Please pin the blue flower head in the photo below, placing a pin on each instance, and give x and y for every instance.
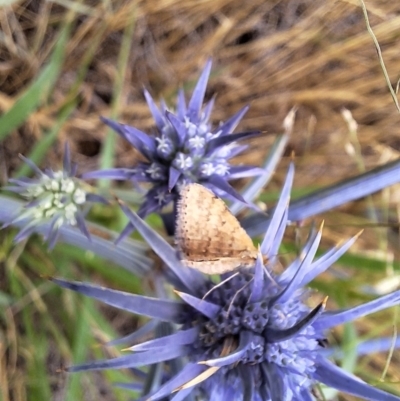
(251, 336)
(54, 198)
(185, 149)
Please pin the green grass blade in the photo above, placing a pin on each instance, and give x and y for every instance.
(108, 149)
(39, 90)
(39, 151)
(81, 343)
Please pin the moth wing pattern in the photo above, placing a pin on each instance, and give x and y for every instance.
(207, 233)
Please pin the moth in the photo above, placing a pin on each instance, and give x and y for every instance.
(208, 236)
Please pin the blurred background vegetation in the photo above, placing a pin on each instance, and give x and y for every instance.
(64, 63)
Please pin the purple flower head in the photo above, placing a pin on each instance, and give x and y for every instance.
(185, 149)
(54, 198)
(251, 336)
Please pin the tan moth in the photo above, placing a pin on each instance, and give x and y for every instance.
(208, 236)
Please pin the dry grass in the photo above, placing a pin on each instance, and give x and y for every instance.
(274, 55)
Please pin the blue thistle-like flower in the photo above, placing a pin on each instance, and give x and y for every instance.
(185, 149)
(251, 337)
(55, 198)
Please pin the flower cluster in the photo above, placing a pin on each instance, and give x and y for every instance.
(251, 336)
(185, 149)
(55, 198)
